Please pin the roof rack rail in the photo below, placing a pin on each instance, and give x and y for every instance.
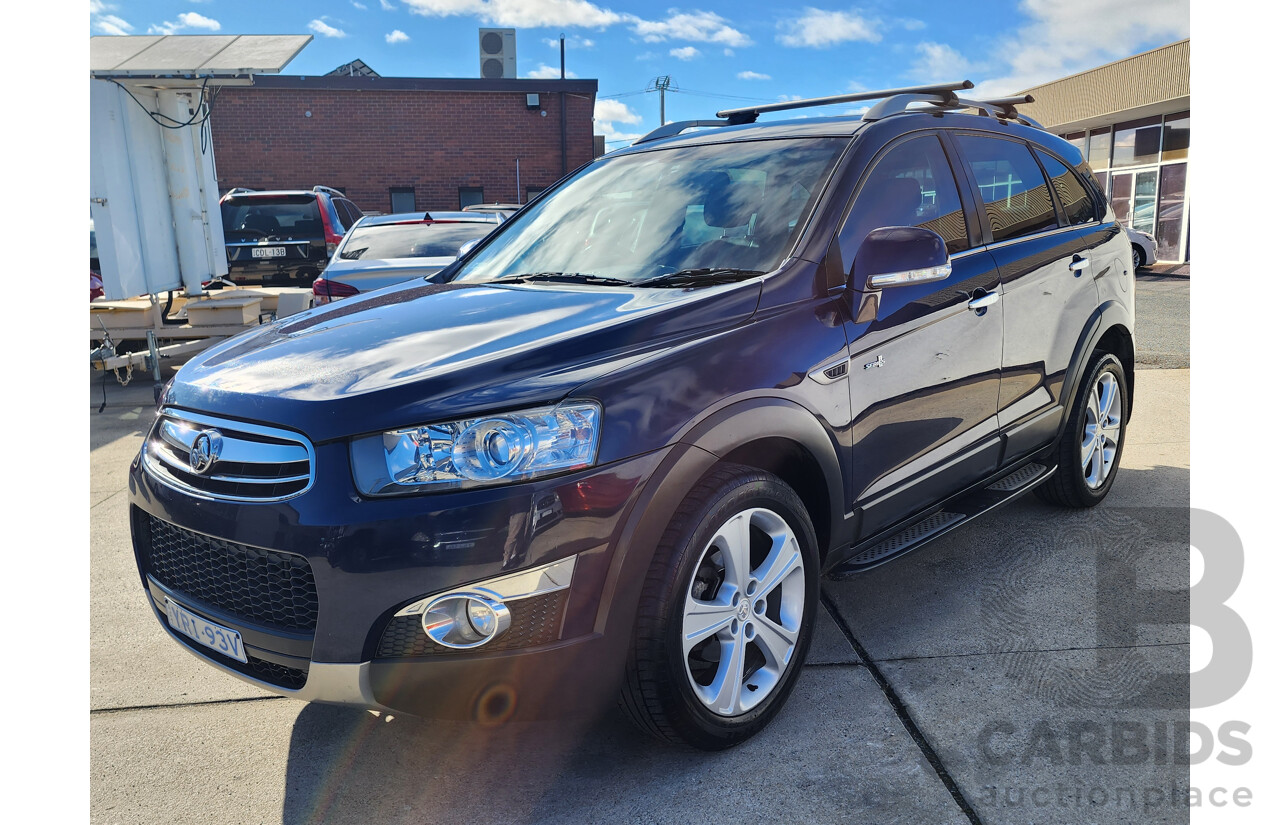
(1001, 107)
(239, 190)
(749, 114)
(328, 190)
(676, 127)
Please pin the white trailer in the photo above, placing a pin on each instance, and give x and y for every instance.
(153, 188)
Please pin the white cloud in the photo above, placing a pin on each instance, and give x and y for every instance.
(387, 6)
(360, 6)
(615, 111)
(324, 29)
(609, 112)
(685, 53)
(911, 24)
(573, 41)
(397, 36)
(98, 7)
(728, 52)
(938, 62)
(186, 20)
(110, 24)
(191, 20)
(545, 72)
(749, 75)
(520, 13)
(1064, 38)
(816, 28)
(699, 26)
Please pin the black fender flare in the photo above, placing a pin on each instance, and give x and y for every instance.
(690, 456)
(1107, 315)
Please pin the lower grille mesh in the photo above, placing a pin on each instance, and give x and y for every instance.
(534, 621)
(264, 587)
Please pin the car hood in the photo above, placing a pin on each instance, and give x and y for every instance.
(421, 352)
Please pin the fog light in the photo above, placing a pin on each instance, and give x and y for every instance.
(465, 620)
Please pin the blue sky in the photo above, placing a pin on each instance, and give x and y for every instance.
(718, 54)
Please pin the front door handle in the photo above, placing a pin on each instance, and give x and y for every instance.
(980, 304)
(1078, 264)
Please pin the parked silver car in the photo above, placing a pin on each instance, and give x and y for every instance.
(386, 249)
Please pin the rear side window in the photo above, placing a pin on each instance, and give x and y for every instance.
(1078, 206)
(1012, 187)
(911, 185)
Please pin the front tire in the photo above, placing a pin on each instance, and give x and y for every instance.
(1138, 258)
(726, 613)
(1088, 454)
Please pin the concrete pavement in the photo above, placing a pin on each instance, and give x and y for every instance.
(1008, 673)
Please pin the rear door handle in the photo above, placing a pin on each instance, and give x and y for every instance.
(1079, 264)
(981, 303)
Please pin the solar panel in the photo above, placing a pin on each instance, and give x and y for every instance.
(204, 55)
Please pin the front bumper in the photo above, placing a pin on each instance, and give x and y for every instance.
(369, 558)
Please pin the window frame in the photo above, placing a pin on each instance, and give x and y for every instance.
(1032, 148)
(462, 189)
(967, 204)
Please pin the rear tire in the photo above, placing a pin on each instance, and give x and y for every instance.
(1088, 453)
(726, 613)
(1138, 258)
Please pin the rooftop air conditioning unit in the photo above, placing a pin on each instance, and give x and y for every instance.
(497, 53)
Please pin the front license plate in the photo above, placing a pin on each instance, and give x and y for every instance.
(268, 252)
(213, 636)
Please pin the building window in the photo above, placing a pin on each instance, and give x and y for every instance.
(403, 199)
(1173, 194)
(1100, 148)
(470, 195)
(1177, 136)
(1137, 143)
(531, 192)
(1078, 140)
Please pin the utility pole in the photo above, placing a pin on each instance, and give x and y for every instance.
(661, 84)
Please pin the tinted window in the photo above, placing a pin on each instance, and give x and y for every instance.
(1077, 205)
(412, 240)
(249, 217)
(912, 185)
(344, 213)
(470, 195)
(1011, 185)
(1177, 136)
(1137, 143)
(1100, 148)
(356, 214)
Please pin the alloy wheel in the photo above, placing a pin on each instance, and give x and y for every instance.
(1101, 437)
(743, 612)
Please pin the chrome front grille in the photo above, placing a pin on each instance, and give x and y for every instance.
(245, 462)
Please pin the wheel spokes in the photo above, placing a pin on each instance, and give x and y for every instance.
(734, 541)
(725, 690)
(775, 641)
(702, 620)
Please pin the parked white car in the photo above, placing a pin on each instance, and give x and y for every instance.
(387, 249)
(1143, 245)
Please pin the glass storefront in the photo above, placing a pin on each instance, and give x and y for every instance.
(1142, 166)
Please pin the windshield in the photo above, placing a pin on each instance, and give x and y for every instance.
(289, 216)
(635, 217)
(411, 240)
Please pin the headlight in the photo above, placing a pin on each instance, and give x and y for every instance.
(476, 452)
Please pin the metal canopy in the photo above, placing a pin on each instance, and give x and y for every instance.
(193, 55)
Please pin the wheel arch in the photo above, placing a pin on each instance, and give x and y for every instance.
(1107, 329)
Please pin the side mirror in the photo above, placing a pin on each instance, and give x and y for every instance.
(900, 255)
(467, 247)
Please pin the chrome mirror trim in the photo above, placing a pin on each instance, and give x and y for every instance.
(910, 276)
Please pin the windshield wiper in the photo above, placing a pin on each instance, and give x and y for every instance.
(562, 278)
(701, 277)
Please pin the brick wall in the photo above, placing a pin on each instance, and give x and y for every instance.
(367, 140)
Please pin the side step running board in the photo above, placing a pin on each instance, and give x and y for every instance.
(958, 511)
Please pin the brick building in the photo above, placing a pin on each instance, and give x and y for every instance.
(403, 144)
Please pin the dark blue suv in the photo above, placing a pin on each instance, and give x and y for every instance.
(612, 449)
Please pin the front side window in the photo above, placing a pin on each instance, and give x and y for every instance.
(912, 185)
(732, 205)
(1013, 190)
